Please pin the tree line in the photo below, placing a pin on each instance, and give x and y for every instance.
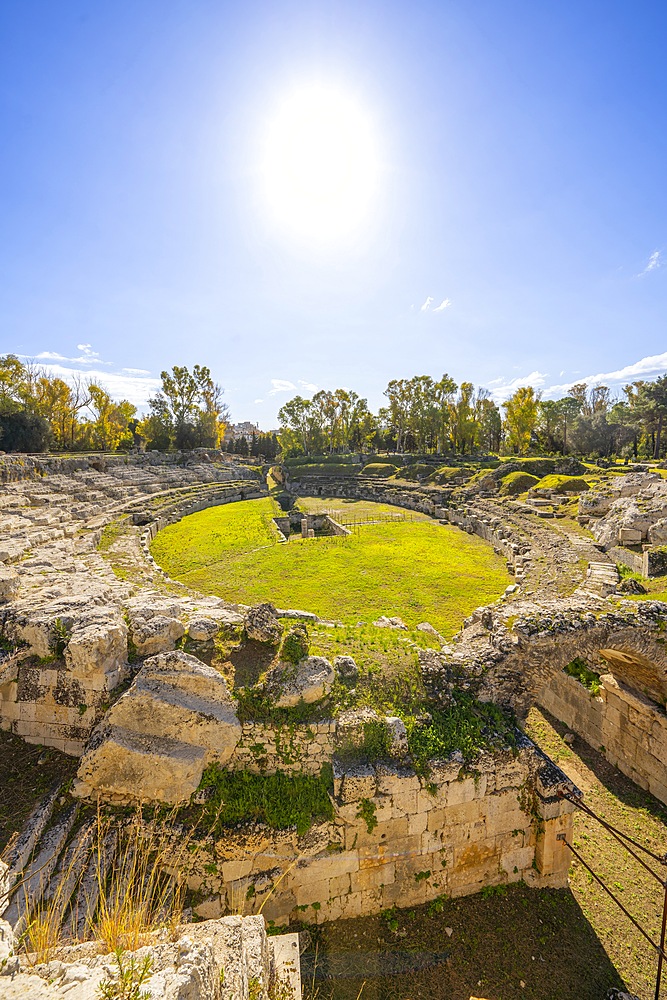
(424, 415)
(39, 411)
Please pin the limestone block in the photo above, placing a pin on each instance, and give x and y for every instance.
(307, 893)
(373, 878)
(657, 533)
(203, 629)
(178, 697)
(629, 536)
(156, 635)
(311, 682)
(417, 823)
(445, 771)
(398, 737)
(459, 792)
(475, 862)
(233, 870)
(510, 774)
(404, 803)
(340, 885)
(124, 765)
(395, 780)
(520, 858)
(261, 623)
(9, 583)
(358, 782)
(346, 668)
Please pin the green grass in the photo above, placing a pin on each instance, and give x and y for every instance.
(563, 484)
(466, 725)
(279, 800)
(418, 570)
(517, 482)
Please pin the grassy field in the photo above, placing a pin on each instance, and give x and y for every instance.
(417, 569)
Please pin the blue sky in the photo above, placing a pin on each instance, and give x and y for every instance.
(519, 155)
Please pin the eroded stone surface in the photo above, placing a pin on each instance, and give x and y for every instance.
(310, 681)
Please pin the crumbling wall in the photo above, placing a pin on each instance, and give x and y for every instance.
(629, 728)
(398, 840)
(60, 685)
(265, 748)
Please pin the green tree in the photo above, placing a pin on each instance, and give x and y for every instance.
(521, 411)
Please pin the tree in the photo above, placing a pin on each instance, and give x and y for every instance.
(110, 427)
(654, 401)
(23, 431)
(189, 410)
(521, 411)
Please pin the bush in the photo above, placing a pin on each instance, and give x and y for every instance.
(23, 431)
(295, 644)
(466, 725)
(517, 482)
(589, 678)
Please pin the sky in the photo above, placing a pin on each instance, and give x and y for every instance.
(307, 195)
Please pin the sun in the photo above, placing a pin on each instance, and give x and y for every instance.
(320, 165)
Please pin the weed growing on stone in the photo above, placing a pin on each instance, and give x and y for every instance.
(466, 725)
(589, 678)
(279, 800)
(130, 976)
(366, 811)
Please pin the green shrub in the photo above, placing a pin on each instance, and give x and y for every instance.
(295, 643)
(466, 725)
(579, 668)
(517, 482)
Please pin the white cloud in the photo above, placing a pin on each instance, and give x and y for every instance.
(504, 389)
(281, 385)
(308, 386)
(445, 304)
(136, 389)
(87, 349)
(655, 364)
(258, 400)
(653, 264)
(87, 358)
(427, 304)
(135, 371)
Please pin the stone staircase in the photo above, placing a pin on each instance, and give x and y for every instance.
(601, 578)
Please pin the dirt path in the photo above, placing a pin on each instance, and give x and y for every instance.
(614, 797)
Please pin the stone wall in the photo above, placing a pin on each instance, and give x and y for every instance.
(55, 698)
(431, 501)
(397, 840)
(266, 748)
(628, 727)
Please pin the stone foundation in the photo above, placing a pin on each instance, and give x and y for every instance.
(629, 728)
(397, 840)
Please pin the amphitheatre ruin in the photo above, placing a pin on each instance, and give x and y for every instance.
(304, 765)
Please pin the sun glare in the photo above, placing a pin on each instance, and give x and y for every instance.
(320, 166)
